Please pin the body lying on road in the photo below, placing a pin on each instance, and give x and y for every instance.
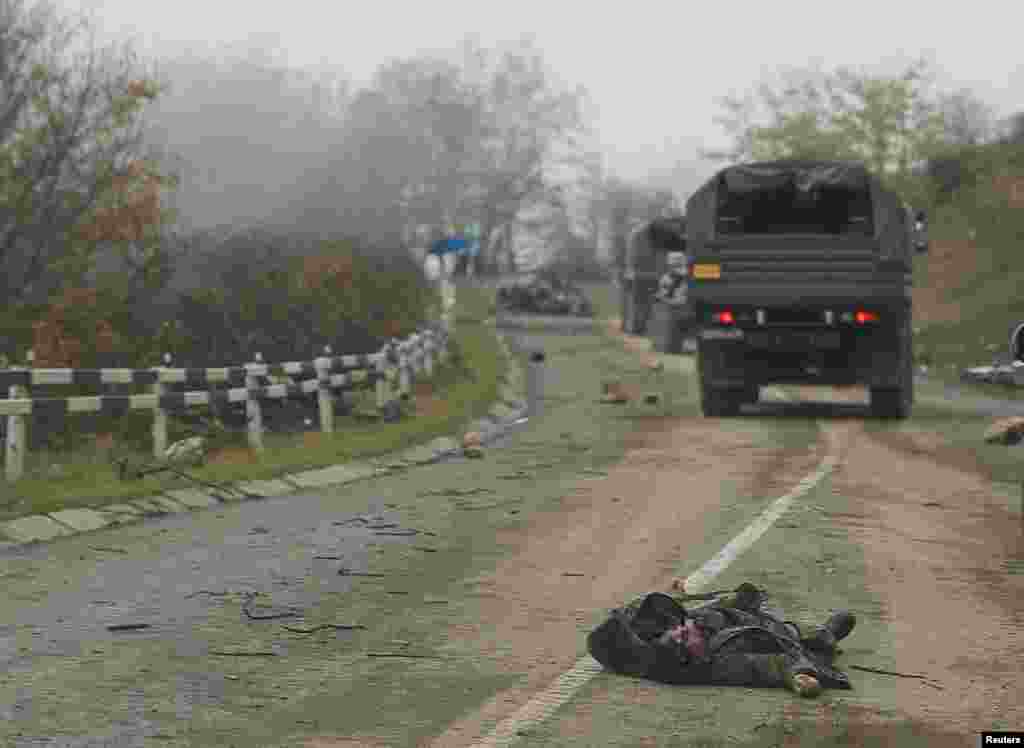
(733, 641)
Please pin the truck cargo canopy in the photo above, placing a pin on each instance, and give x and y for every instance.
(794, 198)
(832, 198)
(805, 176)
(650, 242)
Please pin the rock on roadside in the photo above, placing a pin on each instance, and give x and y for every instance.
(1007, 431)
(191, 451)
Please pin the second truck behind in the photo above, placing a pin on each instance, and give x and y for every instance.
(801, 273)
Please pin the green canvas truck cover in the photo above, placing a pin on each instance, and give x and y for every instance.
(649, 243)
(798, 197)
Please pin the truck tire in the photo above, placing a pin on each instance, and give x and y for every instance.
(897, 402)
(641, 316)
(720, 403)
(628, 311)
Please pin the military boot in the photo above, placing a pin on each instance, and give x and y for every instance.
(841, 623)
(836, 628)
(749, 597)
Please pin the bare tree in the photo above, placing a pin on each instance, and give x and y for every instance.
(435, 141)
(629, 205)
(966, 118)
(532, 127)
(1012, 130)
(291, 119)
(738, 121)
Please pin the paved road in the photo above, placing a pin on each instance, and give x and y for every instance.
(190, 578)
(178, 574)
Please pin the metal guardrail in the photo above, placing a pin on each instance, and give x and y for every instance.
(399, 360)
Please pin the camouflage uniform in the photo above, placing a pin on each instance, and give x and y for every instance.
(745, 643)
(672, 285)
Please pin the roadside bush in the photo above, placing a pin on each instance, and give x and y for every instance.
(288, 308)
(272, 294)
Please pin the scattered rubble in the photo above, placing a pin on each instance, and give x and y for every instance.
(472, 444)
(615, 393)
(1007, 374)
(191, 451)
(1006, 431)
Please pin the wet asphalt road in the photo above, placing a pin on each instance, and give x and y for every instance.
(288, 550)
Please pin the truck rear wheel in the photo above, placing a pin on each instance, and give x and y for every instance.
(897, 402)
(721, 403)
(890, 403)
(628, 312)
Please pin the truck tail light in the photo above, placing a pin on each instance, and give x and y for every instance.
(862, 317)
(724, 317)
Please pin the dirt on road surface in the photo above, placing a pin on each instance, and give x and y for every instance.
(627, 533)
(944, 552)
(939, 548)
(518, 556)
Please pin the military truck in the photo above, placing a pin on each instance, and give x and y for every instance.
(646, 263)
(670, 324)
(801, 273)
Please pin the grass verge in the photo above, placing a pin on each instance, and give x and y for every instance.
(953, 441)
(468, 383)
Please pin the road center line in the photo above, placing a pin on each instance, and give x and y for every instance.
(565, 686)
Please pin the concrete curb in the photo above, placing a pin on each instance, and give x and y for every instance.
(41, 528)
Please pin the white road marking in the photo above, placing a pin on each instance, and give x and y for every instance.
(544, 704)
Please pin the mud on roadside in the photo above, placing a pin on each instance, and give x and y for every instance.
(943, 551)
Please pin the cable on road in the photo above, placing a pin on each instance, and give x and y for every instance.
(128, 626)
(323, 626)
(927, 681)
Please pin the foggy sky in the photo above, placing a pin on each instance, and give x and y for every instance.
(653, 69)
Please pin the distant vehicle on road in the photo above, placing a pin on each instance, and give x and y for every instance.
(646, 264)
(543, 292)
(801, 273)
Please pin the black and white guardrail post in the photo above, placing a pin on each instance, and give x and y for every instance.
(16, 434)
(325, 400)
(253, 409)
(160, 414)
(381, 385)
(394, 368)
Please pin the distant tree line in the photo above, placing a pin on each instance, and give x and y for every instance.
(188, 194)
(901, 125)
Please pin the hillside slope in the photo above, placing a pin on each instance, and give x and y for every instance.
(969, 289)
